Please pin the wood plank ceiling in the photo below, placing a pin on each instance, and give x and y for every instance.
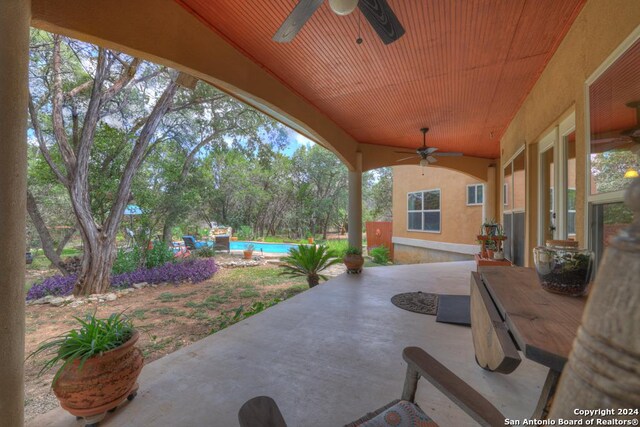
(463, 67)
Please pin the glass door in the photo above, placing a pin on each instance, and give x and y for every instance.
(548, 188)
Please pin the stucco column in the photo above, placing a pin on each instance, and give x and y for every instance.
(489, 205)
(355, 204)
(15, 16)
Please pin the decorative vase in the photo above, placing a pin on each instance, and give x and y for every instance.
(103, 381)
(498, 255)
(563, 269)
(354, 263)
(490, 253)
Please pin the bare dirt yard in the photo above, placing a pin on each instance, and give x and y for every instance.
(169, 316)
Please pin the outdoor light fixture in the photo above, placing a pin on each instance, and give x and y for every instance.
(343, 7)
(631, 173)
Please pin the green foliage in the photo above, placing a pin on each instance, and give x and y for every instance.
(309, 261)
(352, 250)
(127, 260)
(339, 247)
(245, 233)
(206, 252)
(159, 255)
(250, 247)
(380, 255)
(93, 337)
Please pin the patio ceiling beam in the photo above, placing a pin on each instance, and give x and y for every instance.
(165, 33)
(14, 68)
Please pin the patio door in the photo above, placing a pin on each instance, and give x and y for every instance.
(557, 183)
(513, 200)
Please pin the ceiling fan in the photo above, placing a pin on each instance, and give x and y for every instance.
(619, 139)
(377, 12)
(426, 154)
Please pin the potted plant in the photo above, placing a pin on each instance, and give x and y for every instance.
(248, 251)
(99, 365)
(308, 261)
(490, 227)
(310, 238)
(353, 260)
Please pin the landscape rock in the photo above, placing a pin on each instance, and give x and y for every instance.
(140, 285)
(126, 291)
(58, 301)
(111, 297)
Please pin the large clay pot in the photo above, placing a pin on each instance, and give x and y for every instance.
(102, 383)
(247, 254)
(353, 263)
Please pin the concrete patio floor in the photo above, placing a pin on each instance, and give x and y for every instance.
(327, 356)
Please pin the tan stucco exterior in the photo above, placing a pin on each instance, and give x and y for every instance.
(600, 28)
(459, 223)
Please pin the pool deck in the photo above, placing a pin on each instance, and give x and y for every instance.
(327, 356)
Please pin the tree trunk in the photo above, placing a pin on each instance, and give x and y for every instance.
(313, 280)
(43, 232)
(95, 275)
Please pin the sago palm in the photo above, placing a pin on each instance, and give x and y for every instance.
(308, 261)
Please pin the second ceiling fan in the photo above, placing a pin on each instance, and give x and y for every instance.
(377, 12)
(426, 154)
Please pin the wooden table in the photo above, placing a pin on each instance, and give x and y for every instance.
(510, 311)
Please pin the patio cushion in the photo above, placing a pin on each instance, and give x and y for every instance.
(399, 413)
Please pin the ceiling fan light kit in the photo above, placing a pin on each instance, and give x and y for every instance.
(343, 7)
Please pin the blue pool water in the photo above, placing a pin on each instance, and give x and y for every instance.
(270, 248)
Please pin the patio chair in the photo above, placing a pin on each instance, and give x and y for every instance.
(262, 411)
(191, 243)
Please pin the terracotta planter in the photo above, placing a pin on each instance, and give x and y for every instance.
(353, 263)
(310, 240)
(102, 383)
(247, 254)
(234, 239)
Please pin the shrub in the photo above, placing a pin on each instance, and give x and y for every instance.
(380, 255)
(93, 337)
(308, 261)
(245, 233)
(126, 260)
(352, 250)
(158, 255)
(206, 252)
(339, 247)
(194, 271)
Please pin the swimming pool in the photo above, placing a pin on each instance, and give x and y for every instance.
(270, 248)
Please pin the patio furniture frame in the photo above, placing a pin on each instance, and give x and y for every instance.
(262, 411)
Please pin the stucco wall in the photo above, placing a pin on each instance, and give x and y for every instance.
(404, 254)
(599, 29)
(459, 223)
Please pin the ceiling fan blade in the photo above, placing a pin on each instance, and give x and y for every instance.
(431, 159)
(382, 19)
(404, 152)
(296, 20)
(406, 158)
(452, 154)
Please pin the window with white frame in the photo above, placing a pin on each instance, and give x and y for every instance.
(505, 194)
(423, 211)
(475, 194)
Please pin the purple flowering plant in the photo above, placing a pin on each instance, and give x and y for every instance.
(194, 271)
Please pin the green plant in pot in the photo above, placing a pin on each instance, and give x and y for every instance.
(353, 260)
(248, 251)
(98, 365)
(308, 261)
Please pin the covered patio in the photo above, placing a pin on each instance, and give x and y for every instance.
(327, 356)
(490, 82)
